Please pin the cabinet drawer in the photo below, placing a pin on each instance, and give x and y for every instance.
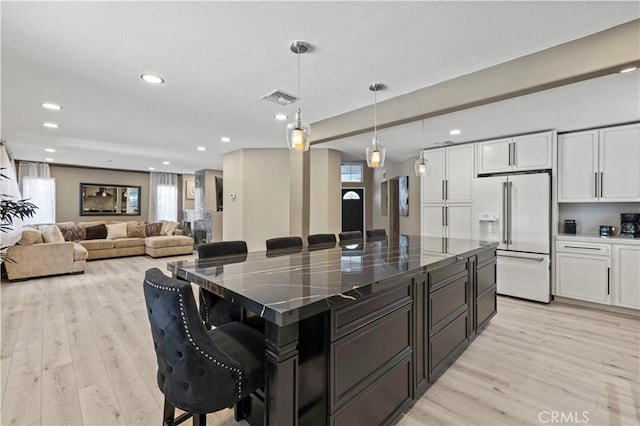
(381, 401)
(447, 301)
(360, 313)
(443, 345)
(583, 248)
(360, 357)
(487, 256)
(485, 308)
(442, 276)
(486, 278)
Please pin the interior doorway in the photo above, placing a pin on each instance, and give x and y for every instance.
(353, 209)
(394, 206)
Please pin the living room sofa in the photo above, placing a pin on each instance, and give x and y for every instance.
(65, 247)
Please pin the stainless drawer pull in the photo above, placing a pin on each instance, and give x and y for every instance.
(536, 259)
(583, 248)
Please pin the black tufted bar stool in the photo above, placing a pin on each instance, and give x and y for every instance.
(283, 243)
(350, 235)
(214, 310)
(199, 372)
(376, 233)
(315, 239)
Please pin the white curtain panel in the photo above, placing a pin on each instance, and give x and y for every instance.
(9, 190)
(32, 169)
(42, 193)
(163, 197)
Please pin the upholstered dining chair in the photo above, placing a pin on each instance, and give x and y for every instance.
(376, 233)
(350, 235)
(284, 243)
(199, 372)
(315, 239)
(214, 310)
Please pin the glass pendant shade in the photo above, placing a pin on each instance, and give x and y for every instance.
(422, 165)
(375, 154)
(298, 134)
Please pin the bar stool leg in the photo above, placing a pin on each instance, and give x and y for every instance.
(168, 413)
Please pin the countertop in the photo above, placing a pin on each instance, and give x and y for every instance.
(285, 286)
(587, 238)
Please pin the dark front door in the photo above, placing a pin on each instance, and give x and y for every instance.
(353, 209)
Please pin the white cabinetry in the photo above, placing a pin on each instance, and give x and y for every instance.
(520, 153)
(599, 165)
(598, 272)
(450, 175)
(453, 221)
(626, 276)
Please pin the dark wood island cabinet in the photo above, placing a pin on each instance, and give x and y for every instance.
(355, 333)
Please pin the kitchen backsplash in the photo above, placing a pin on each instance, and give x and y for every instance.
(589, 216)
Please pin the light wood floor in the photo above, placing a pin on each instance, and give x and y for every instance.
(78, 350)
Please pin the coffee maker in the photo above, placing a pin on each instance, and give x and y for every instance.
(630, 225)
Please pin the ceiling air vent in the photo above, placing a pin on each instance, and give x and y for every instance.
(444, 143)
(279, 97)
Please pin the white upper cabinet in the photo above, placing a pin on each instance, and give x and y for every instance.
(600, 165)
(433, 182)
(450, 175)
(459, 174)
(578, 166)
(520, 153)
(620, 163)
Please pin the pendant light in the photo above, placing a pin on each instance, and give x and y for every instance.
(298, 132)
(422, 165)
(375, 152)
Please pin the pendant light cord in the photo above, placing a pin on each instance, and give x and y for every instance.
(300, 96)
(375, 113)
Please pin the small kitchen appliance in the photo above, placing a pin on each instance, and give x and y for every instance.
(570, 226)
(606, 230)
(630, 225)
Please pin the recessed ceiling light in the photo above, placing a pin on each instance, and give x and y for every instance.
(166, 163)
(225, 139)
(455, 132)
(51, 125)
(202, 148)
(50, 150)
(628, 69)
(48, 159)
(281, 117)
(49, 105)
(153, 79)
(152, 168)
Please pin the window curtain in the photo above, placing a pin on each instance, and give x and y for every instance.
(39, 188)
(11, 231)
(163, 197)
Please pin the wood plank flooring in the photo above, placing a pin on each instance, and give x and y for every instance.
(77, 349)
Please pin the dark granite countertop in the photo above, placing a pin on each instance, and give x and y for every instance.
(285, 287)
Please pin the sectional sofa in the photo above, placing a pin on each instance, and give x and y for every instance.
(65, 247)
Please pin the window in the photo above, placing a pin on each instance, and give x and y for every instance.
(167, 203)
(351, 172)
(351, 195)
(42, 193)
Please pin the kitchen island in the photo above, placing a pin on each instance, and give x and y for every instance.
(355, 333)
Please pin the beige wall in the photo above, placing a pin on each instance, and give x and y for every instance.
(325, 214)
(408, 224)
(68, 181)
(259, 178)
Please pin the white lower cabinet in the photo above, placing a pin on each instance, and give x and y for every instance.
(626, 276)
(600, 273)
(583, 277)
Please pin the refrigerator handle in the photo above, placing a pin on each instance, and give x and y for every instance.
(504, 213)
(509, 211)
(443, 216)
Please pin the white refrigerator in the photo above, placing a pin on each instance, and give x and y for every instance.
(514, 210)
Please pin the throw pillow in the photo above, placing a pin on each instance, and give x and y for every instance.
(138, 231)
(153, 229)
(168, 227)
(51, 234)
(71, 231)
(97, 232)
(117, 230)
(30, 236)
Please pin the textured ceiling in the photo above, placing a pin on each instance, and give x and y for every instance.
(218, 58)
